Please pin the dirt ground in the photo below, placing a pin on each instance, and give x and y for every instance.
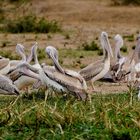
(83, 20)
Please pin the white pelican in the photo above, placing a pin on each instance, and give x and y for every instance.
(53, 54)
(20, 80)
(117, 68)
(135, 68)
(7, 87)
(97, 70)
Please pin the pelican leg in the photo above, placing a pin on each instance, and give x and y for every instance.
(37, 84)
(46, 94)
(92, 86)
(92, 89)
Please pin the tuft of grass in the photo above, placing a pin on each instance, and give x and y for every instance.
(124, 49)
(31, 24)
(18, 1)
(100, 52)
(125, 2)
(8, 54)
(41, 54)
(92, 46)
(129, 38)
(133, 47)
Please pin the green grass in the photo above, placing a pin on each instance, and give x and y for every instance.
(107, 117)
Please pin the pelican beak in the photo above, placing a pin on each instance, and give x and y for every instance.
(56, 63)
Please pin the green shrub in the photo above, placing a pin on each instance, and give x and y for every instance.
(9, 55)
(126, 2)
(100, 52)
(133, 47)
(41, 54)
(124, 49)
(90, 47)
(129, 38)
(17, 0)
(32, 24)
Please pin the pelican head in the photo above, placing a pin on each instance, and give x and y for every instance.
(19, 48)
(118, 40)
(34, 52)
(50, 50)
(53, 54)
(105, 43)
(20, 51)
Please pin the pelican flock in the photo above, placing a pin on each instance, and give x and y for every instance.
(16, 75)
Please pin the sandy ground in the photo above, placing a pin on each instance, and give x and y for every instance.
(83, 20)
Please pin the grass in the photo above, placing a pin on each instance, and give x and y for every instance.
(8, 54)
(92, 46)
(106, 117)
(124, 49)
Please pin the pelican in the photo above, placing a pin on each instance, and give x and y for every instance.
(120, 60)
(20, 80)
(97, 70)
(7, 87)
(53, 54)
(135, 64)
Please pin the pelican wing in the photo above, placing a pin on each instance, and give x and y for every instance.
(49, 68)
(14, 75)
(92, 70)
(6, 86)
(72, 84)
(3, 63)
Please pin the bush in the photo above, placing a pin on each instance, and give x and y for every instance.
(31, 24)
(100, 52)
(90, 47)
(124, 49)
(126, 2)
(17, 0)
(133, 47)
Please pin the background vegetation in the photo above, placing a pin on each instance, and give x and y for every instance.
(31, 24)
(126, 2)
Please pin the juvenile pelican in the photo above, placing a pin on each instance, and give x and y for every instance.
(97, 70)
(7, 87)
(136, 68)
(20, 80)
(120, 60)
(53, 54)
